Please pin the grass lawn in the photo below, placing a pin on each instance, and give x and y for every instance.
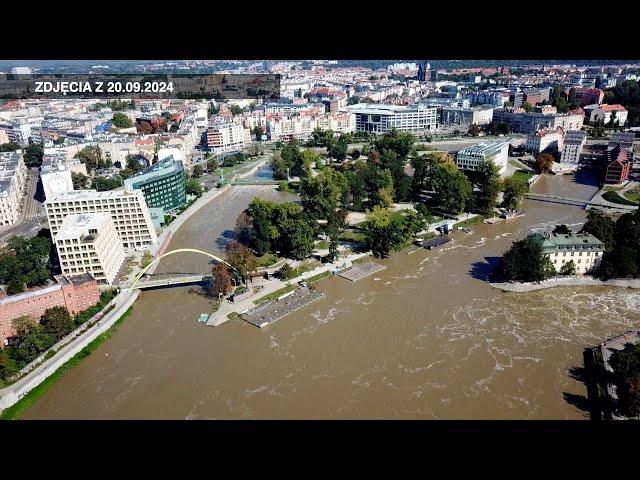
(318, 277)
(274, 295)
(322, 245)
(267, 260)
(352, 236)
(15, 411)
(471, 221)
(522, 175)
(614, 197)
(633, 194)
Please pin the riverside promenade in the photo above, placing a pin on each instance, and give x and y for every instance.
(568, 281)
(11, 394)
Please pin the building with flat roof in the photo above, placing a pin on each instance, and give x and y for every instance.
(604, 114)
(480, 115)
(584, 249)
(225, 137)
(544, 140)
(497, 152)
(520, 121)
(75, 293)
(574, 141)
(13, 173)
(89, 243)
(624, 139)
(128, 210)
(380, 118)
(162, 183)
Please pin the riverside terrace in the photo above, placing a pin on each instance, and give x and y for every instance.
(265, 315)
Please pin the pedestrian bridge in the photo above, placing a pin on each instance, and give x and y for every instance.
(176, 280)
(557, 199)
(173, 279)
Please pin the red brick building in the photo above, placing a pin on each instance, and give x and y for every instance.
(618, 165)
(74, 293)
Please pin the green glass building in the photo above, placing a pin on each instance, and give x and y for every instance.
(163, 184)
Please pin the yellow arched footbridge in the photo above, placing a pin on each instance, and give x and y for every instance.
(174, 280)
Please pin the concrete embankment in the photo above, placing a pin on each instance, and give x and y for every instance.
(11, 394)
(573, 281)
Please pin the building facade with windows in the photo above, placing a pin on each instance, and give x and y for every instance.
(544, 140)
(584, 250)
(225, 137)
(574, 142)
(13, 175)
(497, 152)
(89, 243)
(163, 184)
(128, 210)
(380, 118)
(76, 293)
(618, 166)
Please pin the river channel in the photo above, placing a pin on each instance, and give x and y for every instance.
(426, 338)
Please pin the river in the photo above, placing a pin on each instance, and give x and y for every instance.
(427, 338)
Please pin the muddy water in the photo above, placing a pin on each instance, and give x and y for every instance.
(426, 338)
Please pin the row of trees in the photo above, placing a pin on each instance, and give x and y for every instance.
(622, 241)
(33, 153)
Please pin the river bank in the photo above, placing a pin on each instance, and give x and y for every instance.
(568, 281)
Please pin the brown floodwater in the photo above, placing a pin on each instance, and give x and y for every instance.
(426, 338)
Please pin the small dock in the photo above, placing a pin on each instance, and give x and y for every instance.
(273, 311)
(436, 242)
(362, 270)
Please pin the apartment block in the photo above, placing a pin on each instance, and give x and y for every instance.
(574, 142)
(128, 211)
(225, 137)
(89, 243)
(13, 174)
(546, 139)
(497, 152)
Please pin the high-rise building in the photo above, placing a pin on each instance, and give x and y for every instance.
(12, 180)
(163, 184)
(497, 152)
(89, 243)
(128, 211)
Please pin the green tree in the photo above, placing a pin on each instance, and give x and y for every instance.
(193, 187)
(91, 156)
(561, 230)
(600, 226)
(121, 120)
(451, 186)
(279, 166)
(212, 165)
(525, 261)
(487, 180)
(80, 180)
(8, 365)
(258, 131)
(25, 262)
(197, 171)
(338, 150)
(103, 184)
(568, 268)
(33, 155)
(56, 321)
(383, 231)
(322, 194)
(514, 191)
(625, 364)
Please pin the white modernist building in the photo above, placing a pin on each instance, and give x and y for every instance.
(497, 152)
(56, 179)
(380, 118)
(89, 243)
(226, 137)
(128, 211)
(12, 179)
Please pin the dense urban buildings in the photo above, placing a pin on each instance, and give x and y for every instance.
(89, 243)
(163, 184)
(520, 121)
(603, 114)
(12, 180)
(75, 293)
(480, 115)
(497, 152)
(128, 211)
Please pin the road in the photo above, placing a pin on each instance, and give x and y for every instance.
(32, 214)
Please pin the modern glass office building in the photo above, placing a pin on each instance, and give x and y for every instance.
(163, 184)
